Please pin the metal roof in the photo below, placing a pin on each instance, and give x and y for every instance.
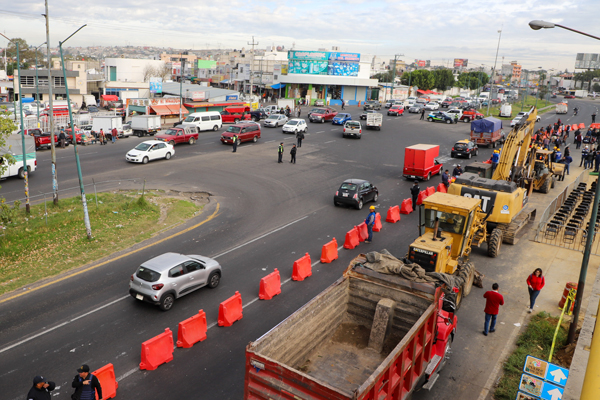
(172, 88)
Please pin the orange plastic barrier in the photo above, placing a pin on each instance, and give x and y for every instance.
(582, 126)
(270, 286)
(329, 252)
(563, 300)
(351, 239)
(302, 268)
(595, 126)
(430, 190)
(377, 226)
(393, 214)
(108, 381)
(422, 196)
(574, 127)
(192, 330)
(158, 350)
(230, 310)
(363, 232)
(442, 188)
(406, 206)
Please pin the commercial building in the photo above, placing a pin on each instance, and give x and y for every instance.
(513, 69)
(129, 78)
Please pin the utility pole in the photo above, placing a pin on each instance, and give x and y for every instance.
(51, 110)
(394, 75)
(251, 68)
(180, 84)
(493, 71)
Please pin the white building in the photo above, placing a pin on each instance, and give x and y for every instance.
(128, 77)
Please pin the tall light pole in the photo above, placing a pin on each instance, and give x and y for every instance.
(37, 89)
(86, 216)
(25, 168)
(253, 43)
(493, 73)
(537, 94)
(394, 75)
(535, 25)
(51, 109)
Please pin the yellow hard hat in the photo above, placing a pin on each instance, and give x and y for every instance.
(372, 208)
(496, 151)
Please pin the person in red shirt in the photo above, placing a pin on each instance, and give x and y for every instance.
(535, 283)
(492, 304)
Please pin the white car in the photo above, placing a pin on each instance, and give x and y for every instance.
(295, 125)
(432, 106)
(150, 150)
(275, 120)
(127, 131)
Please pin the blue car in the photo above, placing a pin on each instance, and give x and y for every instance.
(341, 119)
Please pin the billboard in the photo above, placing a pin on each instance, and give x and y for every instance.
(206, 64)
(311, 67)
(461, 62)
(351, 57)
(420, 63)
(587, 61)
(308, 55)
(155, 85)
(343, 68)
(198, 96)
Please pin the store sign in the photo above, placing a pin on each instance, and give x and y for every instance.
(206, 64)
(155, 85)
(308, 55)
(310, 67)
(231, 97)
(198, 96)
(153, 102)
(343, 68)
(352, 57)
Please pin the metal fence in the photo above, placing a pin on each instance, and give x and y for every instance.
(60, 121)
(558, 201)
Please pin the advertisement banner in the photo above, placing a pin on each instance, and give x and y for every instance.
(461, 62)
(155, 85)
(420, 63)
(231, 97)
(343, 68)
(206, 64)
(308, 55)
(198, 96)
(308, 67)
(351, 57)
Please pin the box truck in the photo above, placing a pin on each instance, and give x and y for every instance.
(142, 125)
(420, 161)
(107, 123)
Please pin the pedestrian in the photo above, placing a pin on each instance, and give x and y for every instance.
(235, 143)
(62, 138)
(280, 153)
(86, 385)
(422, 114)
(596, 160)
(492, 305)
(293, 153)
(446, 179)
(41, 389)
(457, 171)
(568, 160)
(370, 221)
(593, 118)
(535, 283)
(584, 154)
(299, 110)
(546, 142)
(300, 138)
(495, 159)
(414, 192)
(343, 104)
(578, 140)
(114, 134)
(590, 159)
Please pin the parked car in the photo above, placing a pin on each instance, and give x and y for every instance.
(245, 131)
(127, 131)
(390, 103)
(440, 116)
(275, 120)
(270, 109)
(464, 148)
(322, 114)
(446, 103)
(69, 135)
(341, 118)
(163, 279)
(43, 140)
(372, 105)
(179, 134)
(455, 113)
(295, 125)
(364, 114)
(432, 106)
(416, 108)
(93, 109)
(319, 102)
(150, 150)
(352, 128)
(258, 115)
(568, 96)
(355, 192)
(396, 110)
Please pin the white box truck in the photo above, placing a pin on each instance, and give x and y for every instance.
(89, 100)
(562, 108)
(107, 123)
(142, 125)
(374, 121)
(506, 110)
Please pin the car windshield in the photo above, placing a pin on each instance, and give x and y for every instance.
(125, 127)
(190, 118)
(292, 123)
(448, 222)
(234, 129)
(319, 111)
(147, 275)
(460, 146)
(273, 117)
(341, 115)
(171, 132)
(370, 102)
(348, 186)
(143, 146)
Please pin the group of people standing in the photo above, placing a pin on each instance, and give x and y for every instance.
(86, 386)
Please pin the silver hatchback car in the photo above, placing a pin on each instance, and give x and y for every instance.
(169, 276)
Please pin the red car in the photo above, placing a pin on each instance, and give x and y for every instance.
(446, 103)
(322, 114)
(179, 134)
(469, 114)
(43, 140)
(396, 110)
(78, 133)
(233, 115)
(568, 96)
(245, 132)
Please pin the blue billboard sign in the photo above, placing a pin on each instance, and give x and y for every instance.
(231, 97)
(155, 85)
(310, 67)
(343, 69)
(351, 57)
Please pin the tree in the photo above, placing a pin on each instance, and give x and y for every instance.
(149, 72)
(421, 78)
(26, 53)
(443, 78)
(596, 87)
(7, 126)
(472, 80)
(164, 72)
(384, 76)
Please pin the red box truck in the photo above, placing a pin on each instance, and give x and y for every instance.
(420, 161)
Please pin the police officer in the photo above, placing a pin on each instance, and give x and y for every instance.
(414, 192)
(280, 153)
(293, 153)
(300, 137)
(235, 143)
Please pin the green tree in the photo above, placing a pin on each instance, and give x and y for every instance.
(596, 87)
(444, 79)
(384, 76)
(26, 54)
(472, 80)
(421, 78)
(7, 126)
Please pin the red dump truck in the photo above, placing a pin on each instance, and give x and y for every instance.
(420, 161)
(367, 336)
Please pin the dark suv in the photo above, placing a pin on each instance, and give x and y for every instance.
(355, 192)
(245, 131)
(372, 105)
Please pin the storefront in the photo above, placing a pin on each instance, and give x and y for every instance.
(168, 108)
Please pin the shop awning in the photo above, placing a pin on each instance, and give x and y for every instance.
(225, 81)
(109, 97)
(278, 86)
(175, 109)
(161, 110)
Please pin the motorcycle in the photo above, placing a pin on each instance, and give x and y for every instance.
(575, 110)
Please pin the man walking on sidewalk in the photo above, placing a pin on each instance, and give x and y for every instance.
(492, 305)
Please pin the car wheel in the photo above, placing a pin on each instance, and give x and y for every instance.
(168, 156)
(192, 141)
(145, 160)
(172, 143)
(476, 152)
(254, 119)
(375, 197)
(360, 204)
(323, 121)
(430, 119)
(428, 177)
(213, 280)
(166, 302)
(448, 121)
(255, 139)
(215, 128)
(469, 156)
(466, 120)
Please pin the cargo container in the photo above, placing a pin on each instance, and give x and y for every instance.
(420, 161)
(142, 125)
(562, 108)
(367, 336)
(487, 132)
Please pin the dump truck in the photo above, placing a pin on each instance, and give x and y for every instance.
(369, 335)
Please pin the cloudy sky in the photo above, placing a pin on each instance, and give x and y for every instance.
(420, 29)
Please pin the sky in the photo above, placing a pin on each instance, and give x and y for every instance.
(417, 29)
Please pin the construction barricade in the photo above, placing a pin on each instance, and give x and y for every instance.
(377, 226)
(442, 188)
(270, 286)
(158, 350)
(329, 252)
(406, 206)
(582, 126)
(192, 330)
(393, 214)
(108, 381)
(430, 190)
(230, 310)
(302, 268)
(422, 196)
(351, 239)
(568, 287)
(363, 232)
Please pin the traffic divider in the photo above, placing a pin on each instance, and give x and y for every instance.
(270, 286)
(351, 239)
(430, 190)
(158, 350)
(363, 232)
(393, 214)
(230, 310)
(302, 268)
(108, 381)
(377, 226)
(329, 252)
(582, 126)
(563, 300)
(192, 330)
(406, 206)
(422, 196)
(442, 188)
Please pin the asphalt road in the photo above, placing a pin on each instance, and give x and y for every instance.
(269, 215)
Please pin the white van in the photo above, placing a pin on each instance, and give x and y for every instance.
(204, 121)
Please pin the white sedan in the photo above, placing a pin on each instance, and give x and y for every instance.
(295, 125)
(150, 150)
(432, 106)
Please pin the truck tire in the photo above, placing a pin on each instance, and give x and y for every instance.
(215, 128)
(428, 177)
(494, 243)
(235, 121)
(466, 120)
(545, 188)
(172, 142)
(469, 283)
(446, 356)
(192, 140)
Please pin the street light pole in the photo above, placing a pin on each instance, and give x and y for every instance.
(86, 216)
(394, 75)
(493, 72)
(37, 89)
(51, 110)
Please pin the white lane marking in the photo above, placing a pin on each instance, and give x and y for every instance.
(269, 141)
(260, 237)
(331, 141)
(320, 132)
(63, 324)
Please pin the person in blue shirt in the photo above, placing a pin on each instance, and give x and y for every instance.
(446, 179)
(495, 159)
(557, 155)
(370, 221)
(567, 161)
